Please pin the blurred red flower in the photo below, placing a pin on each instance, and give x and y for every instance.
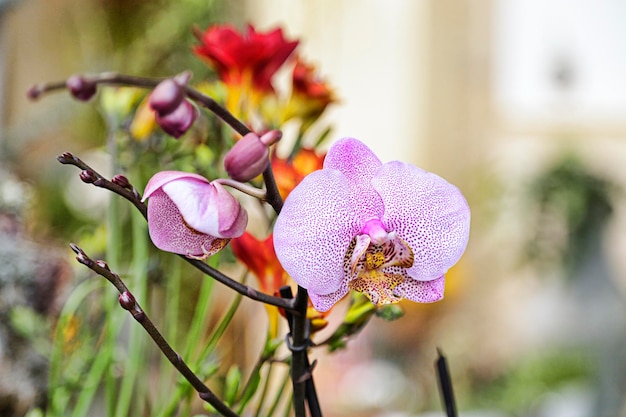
(249, 57)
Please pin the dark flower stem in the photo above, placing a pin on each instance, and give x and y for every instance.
(129, 192)
(130, 304)
(310, 393)
(445, 385)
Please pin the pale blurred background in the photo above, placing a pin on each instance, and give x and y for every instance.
(518, 102)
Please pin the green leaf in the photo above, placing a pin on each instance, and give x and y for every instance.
(231, 384)
(390, 312)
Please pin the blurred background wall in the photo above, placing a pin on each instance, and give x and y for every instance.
(519, 103)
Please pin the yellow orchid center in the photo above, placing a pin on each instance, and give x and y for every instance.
(376, 262)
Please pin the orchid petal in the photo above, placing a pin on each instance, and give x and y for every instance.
(421, 291)
(314, 231)
(324, 302)
(427, 212)
(169, 232)
(358, 164)
(161, 178)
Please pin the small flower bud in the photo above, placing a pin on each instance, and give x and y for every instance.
(120, 180)
(103, 264)
(247, 159)
(166, 97)
(34, 92)
(88, 176)
(178, 121)
(127, 300)
(81, 88)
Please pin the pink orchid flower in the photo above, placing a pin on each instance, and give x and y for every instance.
(390, 231)
(191, 216)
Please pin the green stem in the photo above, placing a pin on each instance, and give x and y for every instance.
(279, 396)
(58, 395)
(199, 321)
(266, 386)
(91, 383)
(221, 328)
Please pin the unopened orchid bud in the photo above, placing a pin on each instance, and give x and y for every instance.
(178, 121)
(166, 97)
(88, 176)
(81, 88)
(120, 180)
(250, 156)
(127, 300)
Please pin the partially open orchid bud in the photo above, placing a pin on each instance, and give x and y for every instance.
(178, 121)
(81, 88)
(191, 216)
(250, 156)
(166, 97)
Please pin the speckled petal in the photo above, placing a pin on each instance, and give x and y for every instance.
(325, 302)
(421, 291)
(314, 229)
(169, 233)
(426, 211)
(358, 164)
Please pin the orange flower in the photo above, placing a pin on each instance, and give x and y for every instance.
(310, 96)
(288, 173)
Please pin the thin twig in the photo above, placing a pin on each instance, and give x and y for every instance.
(131, 194)
(115, 79)
(128, 302)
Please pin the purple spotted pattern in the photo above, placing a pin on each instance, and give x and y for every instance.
(191, 216)
(330, 208)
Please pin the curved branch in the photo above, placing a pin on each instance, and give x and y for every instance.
(129, 192)
(128, 302)
(113, 78)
